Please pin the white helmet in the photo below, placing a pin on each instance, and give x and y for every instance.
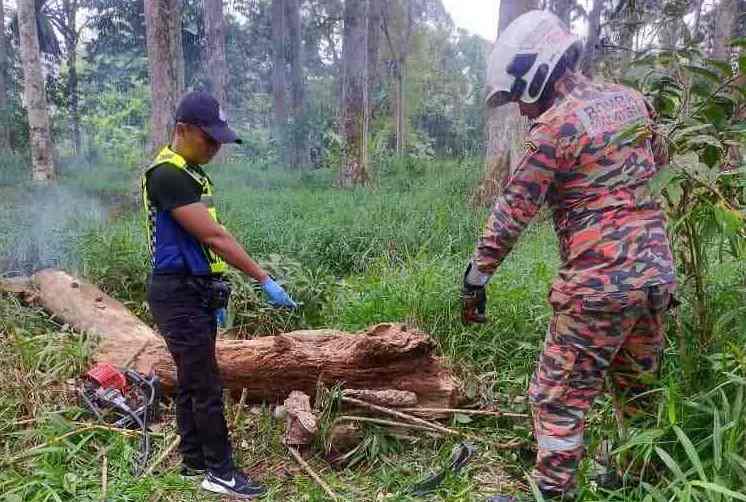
(524, 57)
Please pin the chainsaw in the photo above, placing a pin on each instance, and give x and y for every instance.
(125, 399)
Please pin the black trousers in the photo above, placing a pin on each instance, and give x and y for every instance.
(179, 307)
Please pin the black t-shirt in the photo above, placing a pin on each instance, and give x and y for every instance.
(169, 187)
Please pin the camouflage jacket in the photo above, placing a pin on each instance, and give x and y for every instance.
(611, 231)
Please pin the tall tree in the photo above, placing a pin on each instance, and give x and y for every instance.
(375, 29)
(300, 155)
(354, 168)
(4, 112)
(563, 9)
(42, 164)
(279, 78)
(164, 83)
(64, 20)
(174, 20)
(591, 52)
(726, 16)
(504, 126)
(398, 26)
(214, 56)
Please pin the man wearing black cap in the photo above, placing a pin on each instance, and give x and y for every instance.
(189, 251)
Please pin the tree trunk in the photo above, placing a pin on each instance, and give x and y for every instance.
(269, 368)
(395, 12)
(697, 19)
(401, 104)
(726, 16)
(590, 56)
(563, 9)
(42, 164)
(72, 92)
(217, 69)
(505, 129)
(279, 79)
(354, 168)
(300, 154)
(4, 111)
(374, 38)
(70, 8)
(725, 22)
(176, 9)
(163, 80)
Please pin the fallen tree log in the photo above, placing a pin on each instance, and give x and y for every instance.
(384, 357)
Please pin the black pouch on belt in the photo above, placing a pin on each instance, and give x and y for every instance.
(217, 293)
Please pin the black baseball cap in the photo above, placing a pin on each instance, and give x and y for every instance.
(202, 110)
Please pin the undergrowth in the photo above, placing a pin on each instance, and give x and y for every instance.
(391, 252)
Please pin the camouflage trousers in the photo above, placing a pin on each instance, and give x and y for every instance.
(590, 337)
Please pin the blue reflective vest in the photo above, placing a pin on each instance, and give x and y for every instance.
(172, 249)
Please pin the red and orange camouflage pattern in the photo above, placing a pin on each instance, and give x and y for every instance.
(611, 231)
(620, 334)
(617, 276)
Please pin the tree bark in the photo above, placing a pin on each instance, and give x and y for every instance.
(563, 9)
(505, 128)
(399, 47)
(725, 22)
(4, 111)
(176, 9)
(217, 68)
(300, 154)
(70, 12)
(374, 38)
(42, 164)
(163, 80)
(387, 356)
(697, 18)
(354, 168)
(591, 53)
(279, 79)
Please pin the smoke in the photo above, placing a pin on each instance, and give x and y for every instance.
(43, 226)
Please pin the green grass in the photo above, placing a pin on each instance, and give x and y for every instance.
(392, 252)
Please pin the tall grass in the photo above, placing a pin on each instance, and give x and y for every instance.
(391, 252)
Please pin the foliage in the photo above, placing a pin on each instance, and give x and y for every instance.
(355, 259)
(699, 101)
(116, 122)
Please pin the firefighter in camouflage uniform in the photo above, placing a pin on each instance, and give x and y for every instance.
(616, 278)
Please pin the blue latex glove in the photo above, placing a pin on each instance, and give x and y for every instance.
(221, 316)
(278, 297)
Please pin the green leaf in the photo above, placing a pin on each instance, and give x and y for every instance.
(704, 72)
(711, 156)
(674, 191)
(738, 42)
(717, 440)
(714, 113)
(725, 68)
(730, 221)
(692, 129)
(691, 452)
(712, 487)
(629, 134)
(671, 464)
(661, 180)
(653, 493)
(704, 139)
(742, 64)
(644, 438)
